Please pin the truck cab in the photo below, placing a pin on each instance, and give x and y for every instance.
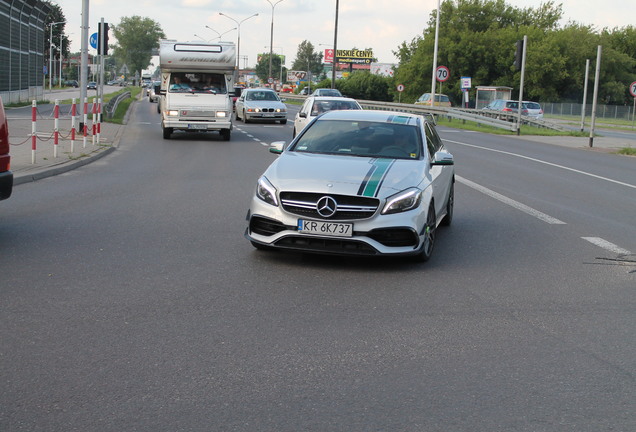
(197, 82)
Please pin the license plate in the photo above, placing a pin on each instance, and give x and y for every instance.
(197, 126)
(268, 115)
(335, 229)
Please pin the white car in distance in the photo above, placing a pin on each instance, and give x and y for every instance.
(316, 105)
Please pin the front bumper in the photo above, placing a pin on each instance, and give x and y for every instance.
(197, 124)
(265, 116)
(390, 235)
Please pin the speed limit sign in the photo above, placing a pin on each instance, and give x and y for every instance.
(632, 89)
(400, 87)
(442, 73)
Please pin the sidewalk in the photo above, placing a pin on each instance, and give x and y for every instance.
(28, 166)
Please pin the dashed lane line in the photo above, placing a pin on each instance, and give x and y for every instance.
(607, 245)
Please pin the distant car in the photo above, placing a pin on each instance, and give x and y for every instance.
(237, 93)
(304, 91)
(532, 109)
(91, 85)
(440, 100)
(287, 89)
(260, 104)
(327, 92)
(316, 105)
(357, 182)
(71, 83)
(154, 91)
(506, 106)
(6, 176)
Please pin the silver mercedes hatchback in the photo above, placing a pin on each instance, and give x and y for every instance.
(356, 183)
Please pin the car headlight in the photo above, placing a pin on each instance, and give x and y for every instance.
(221, 113)
(173, 113)
(280, 110)
(403, 201)
(266, 192)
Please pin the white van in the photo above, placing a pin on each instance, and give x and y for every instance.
(197, 83)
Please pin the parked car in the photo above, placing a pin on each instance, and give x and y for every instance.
(440, 100)
(532, 109)
(260, 104)
(356, 182)
(327, 92)
(316, 105)
(91, 85)
(71, 83)
(511, 107)
(6, 176)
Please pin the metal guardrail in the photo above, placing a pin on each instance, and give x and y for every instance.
(111, 106)
(490, 118)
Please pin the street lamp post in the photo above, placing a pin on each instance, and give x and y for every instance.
(238, 41)
(51, 51)
(280, 56)
(220, 34)
(271, 38)
(335, 46)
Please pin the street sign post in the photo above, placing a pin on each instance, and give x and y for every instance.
(632, 91)
(400, 89)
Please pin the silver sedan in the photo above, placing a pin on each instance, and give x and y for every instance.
(356, 183)
(260, 104)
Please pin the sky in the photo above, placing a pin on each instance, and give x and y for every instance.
(381, 25)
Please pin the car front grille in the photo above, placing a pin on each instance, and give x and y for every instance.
(348, 207)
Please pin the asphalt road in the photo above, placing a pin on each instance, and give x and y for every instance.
(131, 301)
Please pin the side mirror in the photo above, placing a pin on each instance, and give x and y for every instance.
(442, 158)
(302, 114)
(277, 147)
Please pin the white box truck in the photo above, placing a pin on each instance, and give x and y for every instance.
(197, 84)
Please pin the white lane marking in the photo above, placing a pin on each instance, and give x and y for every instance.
(546, 163)
(509, 201)
(607, 245)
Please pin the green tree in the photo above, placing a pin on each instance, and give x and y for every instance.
(262, 67)
(56, 15)
(307, 59)
(137, 37)
(364, 85)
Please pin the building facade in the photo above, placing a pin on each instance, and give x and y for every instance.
(22, 27)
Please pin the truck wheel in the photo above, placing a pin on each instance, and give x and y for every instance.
(225, 134)
(167, 132)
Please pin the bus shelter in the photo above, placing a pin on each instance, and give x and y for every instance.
(487, 94)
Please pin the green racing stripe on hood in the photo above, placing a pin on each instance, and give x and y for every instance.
(375, 176)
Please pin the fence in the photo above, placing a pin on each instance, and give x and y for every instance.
(623, 112)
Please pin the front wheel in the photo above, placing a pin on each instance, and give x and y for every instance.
(167, 132)
(429, 236)
(225, 134)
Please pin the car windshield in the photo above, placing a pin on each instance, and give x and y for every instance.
(322, 106)
(181, 82)
(361, 138)
(261, 96)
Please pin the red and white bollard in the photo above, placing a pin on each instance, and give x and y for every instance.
(33, 129)
(94, 110)
(56, 127)
(85, 120)
(99, 119)
(73, 114)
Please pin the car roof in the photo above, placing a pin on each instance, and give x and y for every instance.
(373, 116)
(330, 98)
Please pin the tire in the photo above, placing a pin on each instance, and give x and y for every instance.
(429, 236)
(294, 133)
(450, 205)
(225, 134)
(167, 132)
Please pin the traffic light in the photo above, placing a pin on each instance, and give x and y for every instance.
(519, 55)
(103, 32)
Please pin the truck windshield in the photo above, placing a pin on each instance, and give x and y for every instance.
(197, 82)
